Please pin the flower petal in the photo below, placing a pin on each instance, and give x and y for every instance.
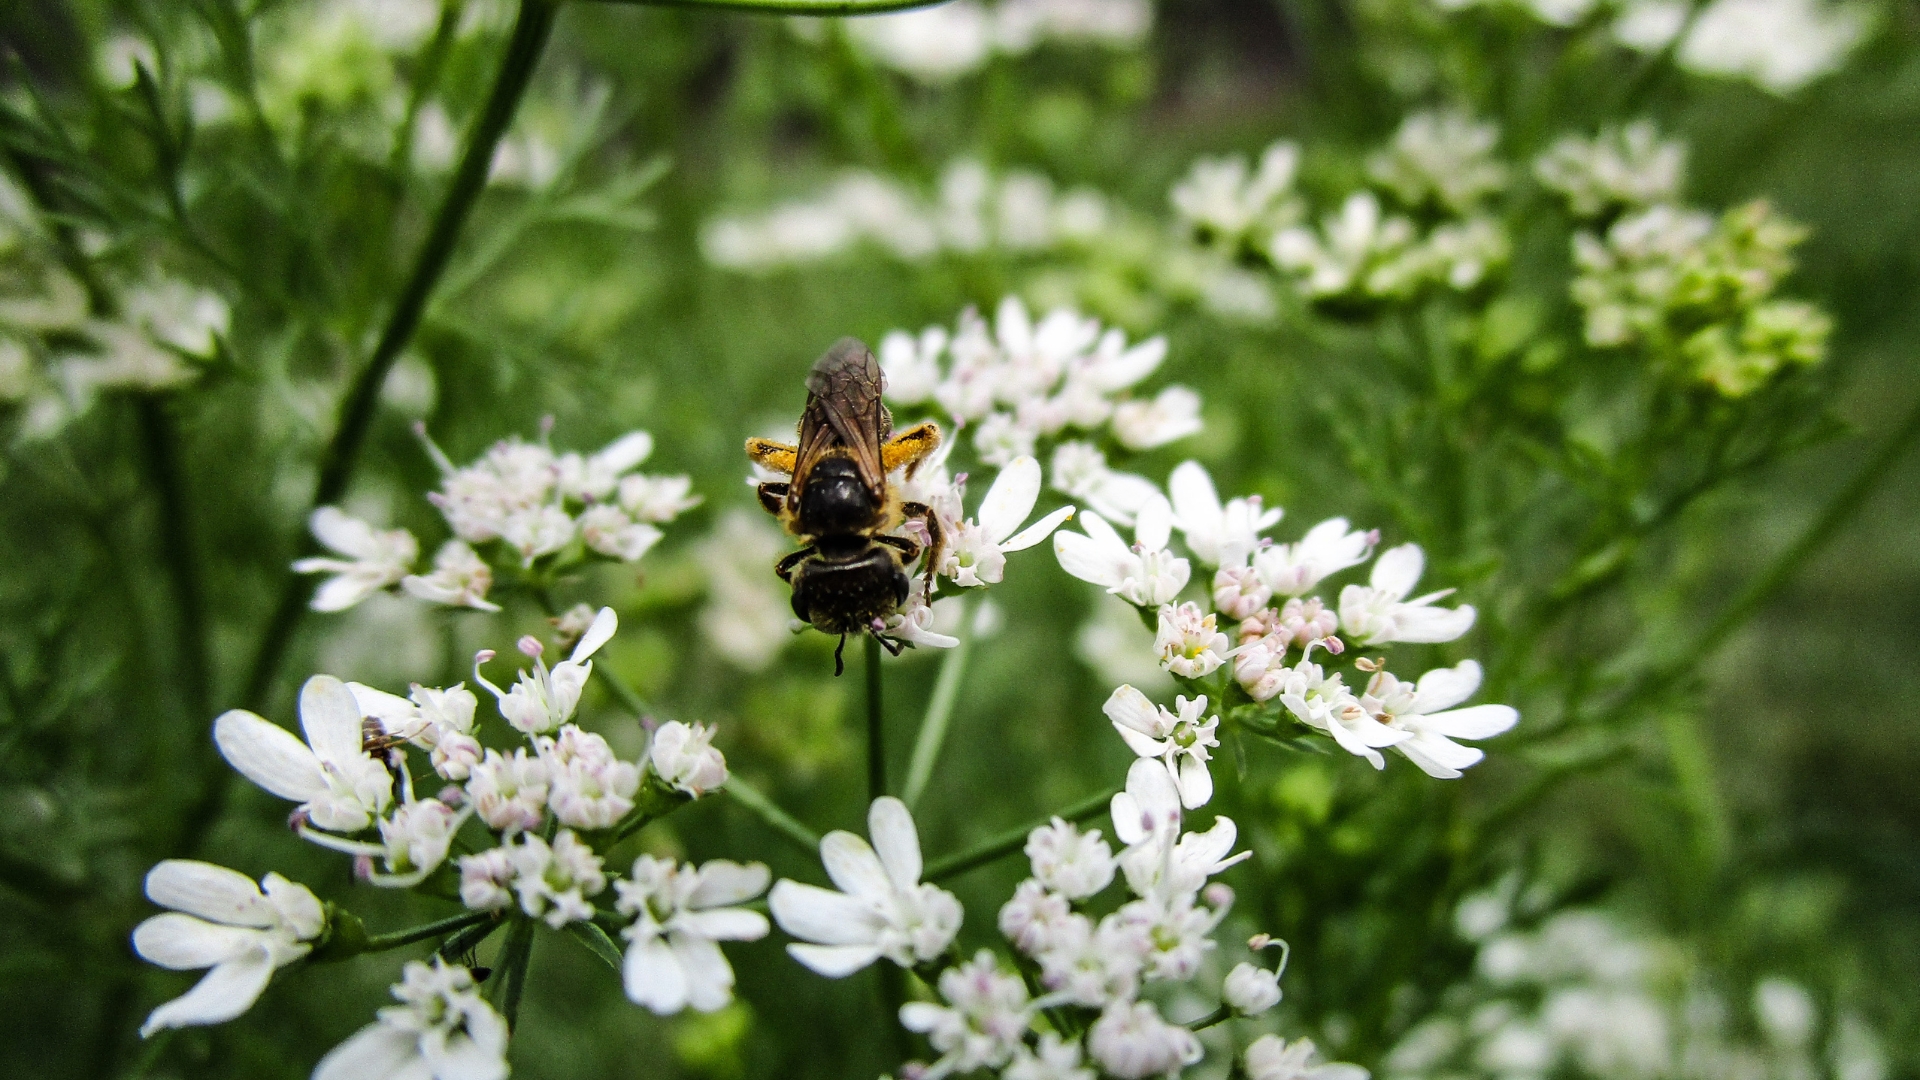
(269, 755)
(395, 713)
(1443, 688)
(374, 1051)
(331, 718)
(213, 893)
(1128, 708)
(725, 924)
(1011, 498)
(625, 452)
(890, 824)
(1473, 722)
(1398, 570)
(1037, 531)
(852, 865)
(184, 943)
(344, 533)
(709, 976)
(225, 992)
(1154, 527)
(598, 634)
(1427, 626)
(724, 882)
(654, 977)
(822, 915)
(1088, 559)
(1194, 781)
(1196, 505)
(834, 961)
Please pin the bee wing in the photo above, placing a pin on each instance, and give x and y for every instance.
(844, 409)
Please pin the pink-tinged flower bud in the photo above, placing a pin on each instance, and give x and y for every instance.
(1238, 592)
(531, 645)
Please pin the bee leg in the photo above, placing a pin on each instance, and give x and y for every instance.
(776, 456)
(773, 496)
(908, 547)
(910, 447)
(936, 540)
(785, 566)
(839, 664)
(893, 647)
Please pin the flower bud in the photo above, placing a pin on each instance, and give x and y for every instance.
(1251, 990)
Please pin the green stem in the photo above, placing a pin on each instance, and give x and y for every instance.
(531, 29)
(764, 808)
(1013, 839)
(627, 696)
(451, 924)
(791, 7)
(933, 728)
(162, 458)
(511, 969)
(1216, 1016)
(467, 940)
(876, 725)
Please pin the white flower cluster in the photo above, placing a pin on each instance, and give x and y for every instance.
(57, 357)
(524, 498)
(550, 806)
(1439, 166)
(972, 210)
(940, 43)
(1623, 168)
(1582, 994)
(1697, 293)
(1264, 590)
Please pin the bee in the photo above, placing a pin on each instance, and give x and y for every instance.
(852, 572)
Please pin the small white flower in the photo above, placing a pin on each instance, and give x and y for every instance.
(913, 622)
(543, 700)
(554, 880)
(509, 793)
(882, 908)
(588, 787)
(683, 756)
(374, 559)
(1442, 157)
(1177, 929)
(414, 841)
(1271, 1058)
(1144, 574)
(594, 478)
(1251, 990)
(912, 365)
(1053, 1059)
(1172, 414)
(460, 578)
(441, 1030)
(1628, 167)
(977, 550)
(513, 478)
(537, 531)
(657, 499)
(1238, 591)
(1080, 470)
(1328, 548)
(1002, 437)
(680, 912)
(486, 879)
(983, 1023)
(1188, 642)
(1223, 536)
(339, 787)
(1427, 710)
(609, 531)
(1033, 916)
(1325, 704)
(1349, 253)
(1160, 861)
(1072, 863)
(1179, 739)
(1379, 612)
(1091, 965)
(1132, 1042)
(222, 921)
(1260, 667)
(1225, 201)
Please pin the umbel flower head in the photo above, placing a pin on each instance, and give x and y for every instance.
(441, 1030)
(220, 920)
(680, 912)
(882, 908)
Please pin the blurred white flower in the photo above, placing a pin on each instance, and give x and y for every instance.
(1179, 739)
(1131, 1042)
(912, 364)
(1188, 642)
(542, 700)
(1052, 1059)
(176, 314)
(609, 531)
(1352, 252)
(1379, 612)
(683, 756)
(588, 788)
(1250, 990)
(1080, 471)
(1270, 1057)
(338, 785)
(982, 1024)
(1427, 710)
(1091, 964)
(680, 913)
(1144, 573)
(486, 879)
(509, 793)
(1445, 158)
(1172, 414)
(1224, 536)
(596, 476)
(553, 881)
(1224, 201)
(1034, 916)
(460, 578)
(977, 550)
(1779, 45)
(746, 614)
(1627, 166)
(374, 559)
(882, 910)
(441, 1030)
(222, 921)
(656, 499)
(1072, 863)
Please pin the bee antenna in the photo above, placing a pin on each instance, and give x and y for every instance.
(839, 664)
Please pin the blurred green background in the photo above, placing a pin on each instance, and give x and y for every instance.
(1756, 811)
